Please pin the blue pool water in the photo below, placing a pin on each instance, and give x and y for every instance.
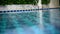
(28, 22)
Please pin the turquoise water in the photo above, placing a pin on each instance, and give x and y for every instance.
(29, 23)
(23, 23)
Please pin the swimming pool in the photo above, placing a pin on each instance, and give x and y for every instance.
(28, 21)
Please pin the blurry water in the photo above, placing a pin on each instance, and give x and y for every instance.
(20, 23)
(29, 22)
